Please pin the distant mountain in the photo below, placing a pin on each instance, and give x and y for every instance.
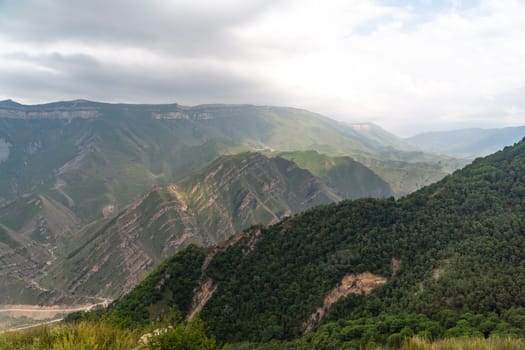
(467, 143)
(108, 154)
(445, 261)
(376, 136)
(348, 178)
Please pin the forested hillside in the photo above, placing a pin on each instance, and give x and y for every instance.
(446, 260)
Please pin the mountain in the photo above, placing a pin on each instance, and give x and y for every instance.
(96, 158)
(30, 230)
(375, 136)
(349, 179)
(69, 168)
(447, 260)
(207, 207)
(467, 143)
(231, 194)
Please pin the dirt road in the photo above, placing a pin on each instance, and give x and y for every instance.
(46, 314)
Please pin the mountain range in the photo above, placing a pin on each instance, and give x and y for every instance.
(467, 143)
(270, 224)
(73, 172)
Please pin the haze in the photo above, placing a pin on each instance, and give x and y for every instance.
(408, 66)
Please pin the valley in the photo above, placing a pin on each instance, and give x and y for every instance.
(116, 202)
(262, 175)
(107, 174)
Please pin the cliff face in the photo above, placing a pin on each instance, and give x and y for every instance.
(232, 193)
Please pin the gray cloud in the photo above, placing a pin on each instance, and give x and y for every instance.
(82, 76)
(177, 32)
(407, 68)
(188, 28)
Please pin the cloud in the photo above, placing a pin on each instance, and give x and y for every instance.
(407, 65)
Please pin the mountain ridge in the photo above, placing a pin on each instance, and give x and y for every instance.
(449, 248)
(230, 194)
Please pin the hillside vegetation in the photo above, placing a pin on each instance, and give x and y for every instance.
(446, 261)
(191, 336)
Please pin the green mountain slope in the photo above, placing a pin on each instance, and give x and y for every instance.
(467, 143)
(231, 194)
(453, 247)
(350, 179)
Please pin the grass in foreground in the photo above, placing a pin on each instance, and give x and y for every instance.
(465, 344)
(85, 335)
(89, 335)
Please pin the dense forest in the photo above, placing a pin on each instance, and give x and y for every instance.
(460, 272)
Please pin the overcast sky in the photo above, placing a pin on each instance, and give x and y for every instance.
(408, 66)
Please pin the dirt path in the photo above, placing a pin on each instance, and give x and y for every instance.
(46, 314)
(50, 309)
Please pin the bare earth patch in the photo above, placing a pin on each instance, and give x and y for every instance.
(362, 283)
(201, 295)
(25, 316)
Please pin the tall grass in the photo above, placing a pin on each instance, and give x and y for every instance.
(465, 344)
(104, 336)
(82, 336)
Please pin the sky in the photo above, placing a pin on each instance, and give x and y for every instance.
(409, 66)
